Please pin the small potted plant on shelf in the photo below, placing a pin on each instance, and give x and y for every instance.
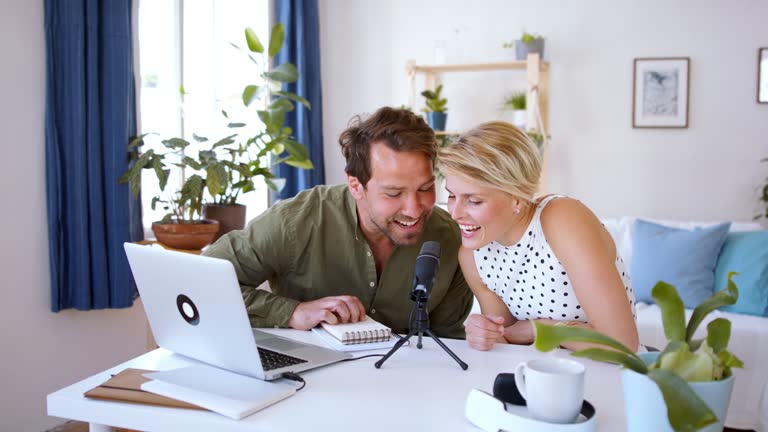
(515, 103)
(436, 108)
(691, 378)
(222, 170)
(528, 43)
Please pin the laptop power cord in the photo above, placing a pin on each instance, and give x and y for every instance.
(295, 377)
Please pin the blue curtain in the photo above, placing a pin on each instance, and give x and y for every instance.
(90, 116)
(302, 48)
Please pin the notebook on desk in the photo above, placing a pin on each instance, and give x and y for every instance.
(195, 308)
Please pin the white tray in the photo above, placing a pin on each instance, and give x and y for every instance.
(491, 414)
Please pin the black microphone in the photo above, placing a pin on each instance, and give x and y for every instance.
(427, 264)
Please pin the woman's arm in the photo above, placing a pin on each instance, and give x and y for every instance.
(485, 329)
(588, 254)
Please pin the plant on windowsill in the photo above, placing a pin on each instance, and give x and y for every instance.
(693, 376)
(224, 169)
(435, 108)
(528, 43)
(763, 199)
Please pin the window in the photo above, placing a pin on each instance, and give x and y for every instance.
(188, 44)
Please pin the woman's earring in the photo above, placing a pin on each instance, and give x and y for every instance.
(517, 210)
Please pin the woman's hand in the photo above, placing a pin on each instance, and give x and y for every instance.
(484, 331)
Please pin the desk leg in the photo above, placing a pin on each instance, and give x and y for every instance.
(95, 427)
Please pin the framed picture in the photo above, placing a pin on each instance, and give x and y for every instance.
(762, 75)
(660, 95)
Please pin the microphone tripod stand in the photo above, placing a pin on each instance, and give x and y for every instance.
(418, 326)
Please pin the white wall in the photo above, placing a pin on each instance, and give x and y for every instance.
(41, 351)
(709, 171)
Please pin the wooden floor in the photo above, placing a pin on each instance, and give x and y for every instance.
(74, 426)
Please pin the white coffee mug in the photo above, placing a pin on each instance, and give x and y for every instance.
(553, 388)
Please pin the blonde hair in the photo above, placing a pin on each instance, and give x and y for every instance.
(498, 155)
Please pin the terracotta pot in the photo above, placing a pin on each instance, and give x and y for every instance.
(188, 236)
(230, 217)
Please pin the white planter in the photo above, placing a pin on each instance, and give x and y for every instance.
(519, 119)
(646, 410)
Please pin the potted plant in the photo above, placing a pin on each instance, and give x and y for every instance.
(528, 43)
(537, 139)
(763, 198)
(691, 377)
(515, 103)
(436, 108)
(223, 169)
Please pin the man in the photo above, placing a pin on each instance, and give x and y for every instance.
(337, 253)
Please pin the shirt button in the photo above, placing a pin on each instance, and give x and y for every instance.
(368, 253)
(372, 284)
(373, 311)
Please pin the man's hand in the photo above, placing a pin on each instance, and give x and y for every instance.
(483, 331)
(333, 310)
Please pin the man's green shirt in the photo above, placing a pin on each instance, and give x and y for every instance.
(311, 247)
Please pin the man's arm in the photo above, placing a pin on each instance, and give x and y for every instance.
(259, 252)
(447, 319)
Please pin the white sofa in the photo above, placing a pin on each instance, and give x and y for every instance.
(749, 335)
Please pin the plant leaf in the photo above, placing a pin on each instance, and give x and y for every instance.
(285, 72)
(685, 410)
(300, 163)
(672, 311)
(549, 337)
(199, 139)
(728, 296)
(176, 143)
(729, 360)
(282, 104)
(235, 125)
(276, 39)
(616, 357)
(297, 150)
(138, 141)
(248, 93)
(718, 334)
(253, 41)
(216, 177)
(294, 97)
(224, 141)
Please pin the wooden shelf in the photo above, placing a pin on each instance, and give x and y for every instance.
(472, 67)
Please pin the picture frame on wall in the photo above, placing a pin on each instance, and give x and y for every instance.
(762, 75)
(660, 92)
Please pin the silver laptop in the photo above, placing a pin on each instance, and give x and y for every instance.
(195, 309)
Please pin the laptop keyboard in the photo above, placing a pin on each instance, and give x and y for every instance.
(271, 360)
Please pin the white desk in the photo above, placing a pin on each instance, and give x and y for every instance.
(419, 390)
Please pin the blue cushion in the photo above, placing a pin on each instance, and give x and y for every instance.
(680, 257)
(746, 253)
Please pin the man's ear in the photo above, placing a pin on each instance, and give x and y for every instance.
(355, 187)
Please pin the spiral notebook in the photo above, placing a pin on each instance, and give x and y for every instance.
(362, 332)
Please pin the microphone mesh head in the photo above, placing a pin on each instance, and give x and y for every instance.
(430, 248)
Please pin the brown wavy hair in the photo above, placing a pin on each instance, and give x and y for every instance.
(399, 129)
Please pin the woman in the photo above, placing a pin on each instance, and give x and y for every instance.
(548, 259)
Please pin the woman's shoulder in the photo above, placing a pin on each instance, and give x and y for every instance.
(566, 214)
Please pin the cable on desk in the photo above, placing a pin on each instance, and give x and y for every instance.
(362, 357)
(295, 377)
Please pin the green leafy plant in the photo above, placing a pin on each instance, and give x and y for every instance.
(434, 102)
(515, 101)
(227, 167)
(684, 360)
(537, 139)
(526, 38)
(763, 199)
